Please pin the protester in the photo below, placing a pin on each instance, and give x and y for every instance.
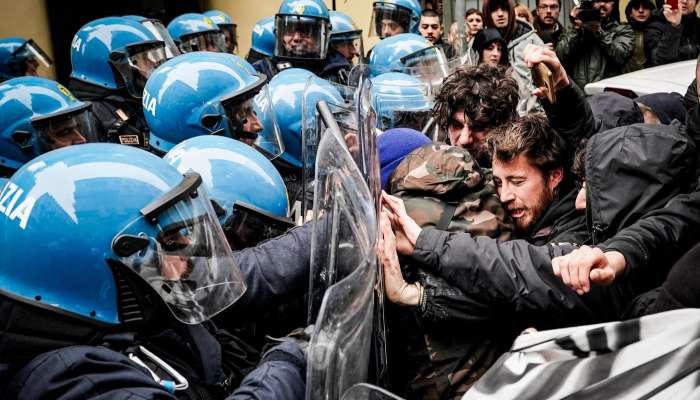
(638, 14)
(547, 23)
(596, 48)
(678, 34)
(490, 47)
(500, 14)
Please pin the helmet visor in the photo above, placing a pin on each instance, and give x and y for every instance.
(269, 140)
(65, 129)
(143, 59)
(247, 226)
(389, 20)
(230, 37)
(204, 41)
(301, 37)
(184, 256)
(161, 33)
(429, 65)
(31, 57)
(350, 48)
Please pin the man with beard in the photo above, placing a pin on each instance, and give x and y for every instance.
(547, 23)
(431, 29)
(471, 102)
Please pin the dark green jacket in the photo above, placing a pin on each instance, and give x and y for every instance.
(590, 57)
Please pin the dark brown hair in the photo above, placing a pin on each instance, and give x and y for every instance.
(487, 94)
(532, 136)
(490, 6)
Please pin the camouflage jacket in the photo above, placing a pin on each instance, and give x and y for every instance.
(443, 187)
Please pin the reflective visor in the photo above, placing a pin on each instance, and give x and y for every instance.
(204, 41)
(161, 32)
(429, 65)
(252, 120)
(247, 226)
(143, 59)
(301, 37)
(185, 257)
(32, 56)
(64, 129)
(389, 18)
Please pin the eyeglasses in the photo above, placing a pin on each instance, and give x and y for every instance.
(553, 7)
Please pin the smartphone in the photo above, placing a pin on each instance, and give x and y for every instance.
(673, 4)
(542, 77)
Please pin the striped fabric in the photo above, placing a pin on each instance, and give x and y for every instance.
(654, 357)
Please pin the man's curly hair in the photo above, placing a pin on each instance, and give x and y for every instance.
(488, 95)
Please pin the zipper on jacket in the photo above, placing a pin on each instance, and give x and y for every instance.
(598, 231)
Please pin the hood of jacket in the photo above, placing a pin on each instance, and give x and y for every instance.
(632, 170)
(612, 110)
(442, 186)
(522, 32)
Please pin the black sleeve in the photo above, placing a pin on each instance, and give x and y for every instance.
(275, 270)
(658, 239)
(571, 115)
(502, 279)
(661, 42)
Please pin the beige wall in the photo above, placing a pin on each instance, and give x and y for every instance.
(246, 12)
(27, 18)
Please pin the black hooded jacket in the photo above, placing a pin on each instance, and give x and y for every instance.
(119, 116)
(630, 170)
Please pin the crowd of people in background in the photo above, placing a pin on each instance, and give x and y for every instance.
(178, 221)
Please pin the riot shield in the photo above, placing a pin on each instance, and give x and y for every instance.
(313, 127)
(343, 272)
(364, 391)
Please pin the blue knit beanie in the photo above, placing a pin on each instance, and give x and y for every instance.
(394, 146)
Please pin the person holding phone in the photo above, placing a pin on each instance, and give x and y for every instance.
(678, 30)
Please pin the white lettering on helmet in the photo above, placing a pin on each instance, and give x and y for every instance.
(22, 210)
(76, 43)
(149, 103)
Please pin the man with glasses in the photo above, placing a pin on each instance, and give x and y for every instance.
(547, 23)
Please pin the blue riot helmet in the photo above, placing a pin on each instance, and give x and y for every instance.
(21, 57)
(393, 17)
(247, 192)
(411, 54)
(302, 30)
(288, 90)
(122, 233)
(196, 32)
(160, 32)
(401, 101)
(226, 25)
(262, 40)
(115, 53)
(38, 115)
(346, 39)
(204, 93)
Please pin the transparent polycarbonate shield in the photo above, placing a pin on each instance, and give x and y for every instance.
(177, 245)
(301, 37)
(313, 126)
(161, 33)
(389, 17)
(428, 65)
(203, 41)
(365, 391)
(343, 272)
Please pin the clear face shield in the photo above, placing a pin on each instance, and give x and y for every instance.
(204, 41)
(184, 256)
(28, 58)
(143, 59)
(301, 37)
(62, 130)
(350, 46)
(230, 37)
(389, 20)
(247, 226)
(161, 32)
(428, 65)
(252, 120)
